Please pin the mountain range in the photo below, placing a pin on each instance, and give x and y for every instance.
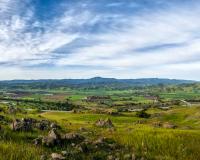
(92, 82)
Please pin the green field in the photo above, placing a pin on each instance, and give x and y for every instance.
(149, 123)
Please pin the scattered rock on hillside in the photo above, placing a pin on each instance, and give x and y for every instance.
(37, 141)
(104, 143)
(85, 146)
(112, 112)
(64, 153)
(104, 123)
(21, 125)
(29, 121)
(56, 156)
(157, 124)
(129, 157)
(141, 121)
(169, 125)
(73, 138)
(26, 124)
(54, 125)
(43, 125)
(43, 157)
(52, 139)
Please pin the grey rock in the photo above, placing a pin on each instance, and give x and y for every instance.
(104, 123)
(73, 138)
(56, 156)
(52, 139)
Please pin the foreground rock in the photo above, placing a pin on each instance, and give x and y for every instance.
(56, 156)
(43, 125)
(73, 138)
(169, 126)
(27, 124)
(52, 139)
(22, 125)
(104, 123)
(38, 141)
(105, 144)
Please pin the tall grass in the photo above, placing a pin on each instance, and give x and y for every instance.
(161, 144)
(10, 150)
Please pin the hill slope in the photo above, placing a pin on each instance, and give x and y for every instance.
(88, 83)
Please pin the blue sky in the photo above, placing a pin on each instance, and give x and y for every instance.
(42, 39)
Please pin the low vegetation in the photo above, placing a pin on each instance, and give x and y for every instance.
(148, 123)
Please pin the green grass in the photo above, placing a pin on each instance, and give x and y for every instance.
(165, 144)
(84, 118)
(181, 116)
(10, 150)
(142, 139)
(18, 145)
(180, 95)
(145, 140)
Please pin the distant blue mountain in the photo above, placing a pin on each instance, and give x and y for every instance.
(92, 82)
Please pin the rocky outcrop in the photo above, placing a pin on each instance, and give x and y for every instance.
(104, 123)
(27, 124)
(22, 125)
(73, 138)
(52, 139)
(43, 125)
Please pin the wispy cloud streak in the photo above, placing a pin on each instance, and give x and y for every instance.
(110, 39)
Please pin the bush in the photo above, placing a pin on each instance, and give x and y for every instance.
(142, 114)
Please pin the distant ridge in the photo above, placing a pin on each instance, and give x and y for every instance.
(92, 82)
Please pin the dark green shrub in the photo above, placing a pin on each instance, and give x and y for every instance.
(142, 114)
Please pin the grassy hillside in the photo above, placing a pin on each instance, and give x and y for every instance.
(140, 136)
(160, 122)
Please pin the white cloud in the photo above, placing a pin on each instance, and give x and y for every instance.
(119, 45)
(20, 42)
(118, 48)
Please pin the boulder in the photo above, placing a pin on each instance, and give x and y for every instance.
(43, 157)
(129, 157)
(85, 146)
(56, 156)
(54, 125)
(73, 138)
(52, 139)
(104, 143)
(157, 124)
(104, 123)
(43, 125)
(37, 141)
(169, 126)
(21, 125)
(64, 153)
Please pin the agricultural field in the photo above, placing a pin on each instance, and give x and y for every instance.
(147, 123)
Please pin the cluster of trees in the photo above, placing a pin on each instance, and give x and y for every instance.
(42, 105)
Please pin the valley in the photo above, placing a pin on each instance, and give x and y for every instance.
(95, 121)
